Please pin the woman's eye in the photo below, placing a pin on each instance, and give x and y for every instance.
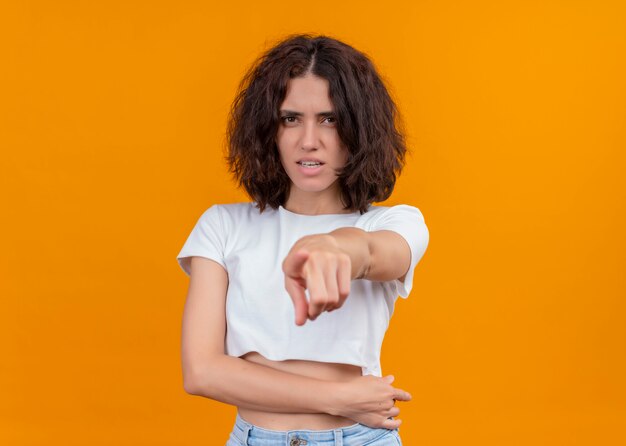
(331, 119)
(289, 119)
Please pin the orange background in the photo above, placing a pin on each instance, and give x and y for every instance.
(112, 118)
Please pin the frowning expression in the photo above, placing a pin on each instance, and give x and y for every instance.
(308, 142)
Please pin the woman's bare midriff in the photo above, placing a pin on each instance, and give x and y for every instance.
(292, 421)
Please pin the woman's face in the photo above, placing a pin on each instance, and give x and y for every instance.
(308, 132)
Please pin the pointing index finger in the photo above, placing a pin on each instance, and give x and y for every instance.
(293, 264)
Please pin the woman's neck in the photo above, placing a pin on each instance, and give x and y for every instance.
(314, 204)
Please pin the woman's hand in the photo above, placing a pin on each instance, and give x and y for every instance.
(315, 262)
(370, 400)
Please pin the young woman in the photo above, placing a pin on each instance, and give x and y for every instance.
(290, 295)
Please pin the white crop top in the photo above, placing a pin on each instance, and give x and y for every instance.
(260, 315)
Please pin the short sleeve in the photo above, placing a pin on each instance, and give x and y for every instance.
(407, 221)
(206, 240)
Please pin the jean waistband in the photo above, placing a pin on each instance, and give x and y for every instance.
(353, 434)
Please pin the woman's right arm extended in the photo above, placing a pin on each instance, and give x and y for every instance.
(209, 372)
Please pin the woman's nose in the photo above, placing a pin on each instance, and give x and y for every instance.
(310, 136)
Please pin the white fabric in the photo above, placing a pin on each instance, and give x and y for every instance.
(260, 315)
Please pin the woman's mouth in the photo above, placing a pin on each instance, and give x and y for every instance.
(309, 167)
(310, 164)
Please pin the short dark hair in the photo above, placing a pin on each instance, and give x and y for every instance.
(368, 122)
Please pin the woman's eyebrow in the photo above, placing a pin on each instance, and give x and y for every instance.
(323, 114)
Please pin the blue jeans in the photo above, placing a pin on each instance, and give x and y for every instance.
(246, 434)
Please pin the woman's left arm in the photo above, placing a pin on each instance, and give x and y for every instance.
(326, 263)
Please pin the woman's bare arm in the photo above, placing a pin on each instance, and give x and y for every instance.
(325, 264)
(209, 372)
(375, 255)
